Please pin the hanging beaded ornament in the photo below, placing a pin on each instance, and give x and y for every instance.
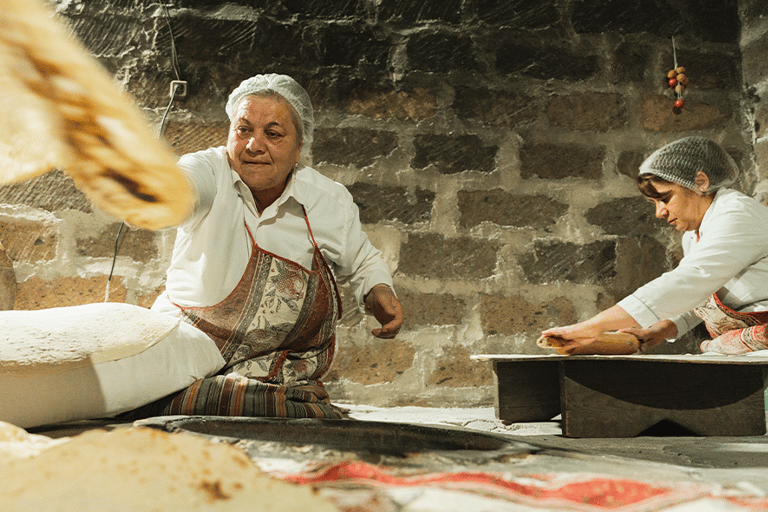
(678, 81)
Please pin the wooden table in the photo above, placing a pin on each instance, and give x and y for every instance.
(623, 396)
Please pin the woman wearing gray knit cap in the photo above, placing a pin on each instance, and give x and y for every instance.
(723, 276)
(256, 263)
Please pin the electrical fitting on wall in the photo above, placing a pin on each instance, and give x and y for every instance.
(178, 89)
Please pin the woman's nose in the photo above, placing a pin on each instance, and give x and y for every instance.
(661, 210)
(255, 144)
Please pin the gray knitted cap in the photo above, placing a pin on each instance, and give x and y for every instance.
(679, 162)
(286, 87)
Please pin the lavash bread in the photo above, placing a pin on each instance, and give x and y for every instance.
(138, 469)
(17, 443)
(60, 108)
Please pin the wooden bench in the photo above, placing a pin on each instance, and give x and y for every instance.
(623, 396)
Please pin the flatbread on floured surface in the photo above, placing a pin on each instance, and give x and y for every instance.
(65, 338)
(147, 470)
(60, 108)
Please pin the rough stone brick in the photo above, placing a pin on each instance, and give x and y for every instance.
(455, 369)
(706, 71)
(629, 162)
(36, 293)
(506, 209)
(494, 108)
(377, 363)
(588, 112)
(630, 62)
(555, 261)
(53, 191)
(139, 244)
(376, 101)
(441, 53)
(518, 14)
(754, 64)
(559, 161)
(434, 256)
(322, 9)
(512, 315)
(352, 146)
(146, 300)
(407, 12)
(7, 281)
(535, 60)
(420, 309)
(709, 20)
(657, 115)
(761, 119)
(190, 136)
(358, 46)
(639, 260)
(451, 155)
(378, 203)
(627, 216)
(761, 161)
(28, 241)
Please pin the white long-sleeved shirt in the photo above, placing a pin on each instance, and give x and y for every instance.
(212, 246)
(730, 258)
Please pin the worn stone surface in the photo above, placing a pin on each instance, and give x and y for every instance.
(514, 315)
(506, 209)
(36, 293)
(627, 217)
(545, 62)
(379, 203)
(494, 108)
(629, 162)
(434, 256)
(360, 97)
(53, 191)
(559, 161)
(658, 115)
(452, 155)
(139, 244)
(28, 241)
(589, 112)
(425, 309)
(455, 369)
(593, 263)
(630, 62)
(348, 146)
(378, 363)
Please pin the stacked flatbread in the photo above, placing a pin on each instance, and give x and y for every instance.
(60, 108)
(146, 470)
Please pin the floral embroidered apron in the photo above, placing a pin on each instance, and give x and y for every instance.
(277, 333)
(733, 332)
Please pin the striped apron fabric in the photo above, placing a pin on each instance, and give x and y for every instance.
(732, 332)
(277, 333)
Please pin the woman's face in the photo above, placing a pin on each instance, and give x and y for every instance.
(263, 146)
(681, 207)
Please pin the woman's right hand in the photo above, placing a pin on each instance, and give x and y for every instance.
(654, 335)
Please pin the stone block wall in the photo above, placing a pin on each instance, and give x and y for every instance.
(491, 147)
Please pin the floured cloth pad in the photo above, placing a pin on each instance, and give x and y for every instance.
(147, 470)
(607, 343)
(60, 339)
(60, 108)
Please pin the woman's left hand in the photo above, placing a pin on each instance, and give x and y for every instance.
(381, 301)
(654, 335)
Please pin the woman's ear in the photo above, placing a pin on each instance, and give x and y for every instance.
(701, 181)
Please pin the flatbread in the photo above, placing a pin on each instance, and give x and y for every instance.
(147, 470)
(60, 108)
(607, 343)
(60, 339)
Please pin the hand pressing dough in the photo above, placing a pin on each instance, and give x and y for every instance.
(60, 108)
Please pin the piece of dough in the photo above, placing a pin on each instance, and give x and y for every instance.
(607, 343)
(147, 470)
(60, 108)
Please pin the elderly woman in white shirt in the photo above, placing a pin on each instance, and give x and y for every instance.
(723, 276)
(255, 266)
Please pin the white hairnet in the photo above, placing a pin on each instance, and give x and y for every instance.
(679, 162)
(286, 87)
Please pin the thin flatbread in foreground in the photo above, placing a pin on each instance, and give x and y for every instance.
(60, 108)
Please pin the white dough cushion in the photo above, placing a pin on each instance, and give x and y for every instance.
(96, 360)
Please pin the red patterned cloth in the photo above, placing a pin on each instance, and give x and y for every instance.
(732, 332)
